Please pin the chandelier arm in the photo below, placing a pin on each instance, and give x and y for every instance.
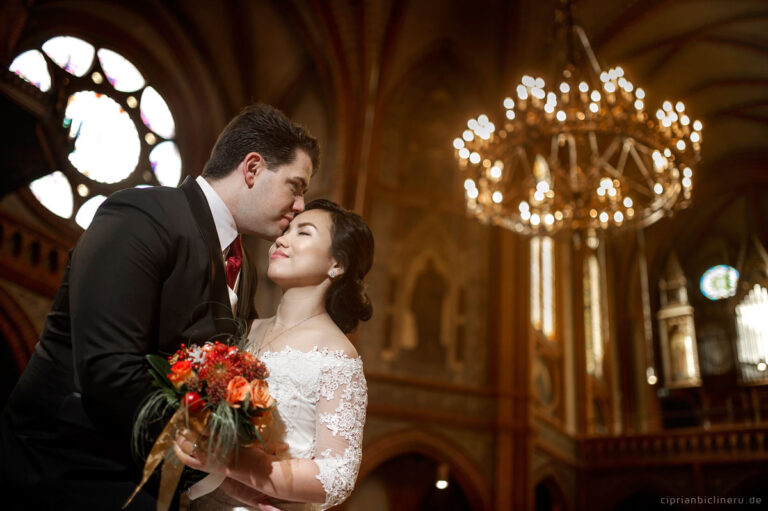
(623, 156)
(588, 49)
(641, 166)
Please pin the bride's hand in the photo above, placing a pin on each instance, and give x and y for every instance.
(191, 450)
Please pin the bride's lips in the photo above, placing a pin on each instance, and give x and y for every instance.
(278, 255)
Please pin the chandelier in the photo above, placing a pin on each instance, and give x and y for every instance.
(583, 155)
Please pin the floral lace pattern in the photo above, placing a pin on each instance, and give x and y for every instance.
(329, 388)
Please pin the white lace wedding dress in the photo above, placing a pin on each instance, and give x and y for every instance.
(321, 400)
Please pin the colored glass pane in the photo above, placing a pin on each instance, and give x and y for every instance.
(32, 67)
(54, 192)
(719, 282)
(155, 113)
(71, 54)
(166, 163)
(87, 210)
(107, 145)
(121, 73)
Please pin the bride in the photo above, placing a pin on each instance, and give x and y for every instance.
(316, 375)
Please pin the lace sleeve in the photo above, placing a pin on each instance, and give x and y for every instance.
(340, 419)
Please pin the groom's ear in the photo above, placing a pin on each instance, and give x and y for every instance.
(251, 166)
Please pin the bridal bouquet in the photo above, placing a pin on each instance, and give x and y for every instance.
(216, 389)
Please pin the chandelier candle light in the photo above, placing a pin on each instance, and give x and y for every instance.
(586, 155)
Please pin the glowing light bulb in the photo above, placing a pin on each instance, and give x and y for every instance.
(639, 93)
(474, 158)
(685, 120)
(560, 115)
(593, 108)
(639, 104)
(667, 106)
(687, 182)
(469, 184)
(442, 484)
(463, 153)
(697, 125)
(472, 193)
(458, 143)
(535, 219)
(695, 137)
(468, 136)
(522, 92)
(497, 197)
(618, 217)
(595, 96)
(510, 114)
(627, 202)
(679, 106)
(604, 217)
(687, 172)
(509, 103)
(549, 219)
(680, 145)
(583, 87)
(495, 172)
(658, 188)
(565, 88)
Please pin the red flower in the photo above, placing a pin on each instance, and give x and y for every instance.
(181, 373)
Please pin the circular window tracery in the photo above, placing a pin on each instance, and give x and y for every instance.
(719, 282)
(118, 130)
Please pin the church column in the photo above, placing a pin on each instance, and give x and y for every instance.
(511, 366)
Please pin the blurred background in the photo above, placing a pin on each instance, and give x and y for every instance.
(538, 340)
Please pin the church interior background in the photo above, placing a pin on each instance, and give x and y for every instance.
(601, 369)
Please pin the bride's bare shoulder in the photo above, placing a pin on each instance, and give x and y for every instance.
(332, 338)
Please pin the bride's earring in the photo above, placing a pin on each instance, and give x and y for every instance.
(332, 274)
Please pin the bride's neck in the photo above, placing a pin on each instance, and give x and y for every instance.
(298, 304)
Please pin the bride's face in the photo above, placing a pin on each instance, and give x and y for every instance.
(301, 256)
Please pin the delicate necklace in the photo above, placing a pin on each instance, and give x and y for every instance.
(263, 345)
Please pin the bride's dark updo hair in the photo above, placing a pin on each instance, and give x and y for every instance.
(352, 246)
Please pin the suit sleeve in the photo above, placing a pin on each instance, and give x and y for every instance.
(117, 274)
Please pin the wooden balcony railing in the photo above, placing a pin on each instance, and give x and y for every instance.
(724, 444)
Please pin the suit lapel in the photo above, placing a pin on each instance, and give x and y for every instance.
(220, 307)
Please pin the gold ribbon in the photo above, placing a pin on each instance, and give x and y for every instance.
(170, 473)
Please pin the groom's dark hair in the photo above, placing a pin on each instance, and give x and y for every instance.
(265, 130)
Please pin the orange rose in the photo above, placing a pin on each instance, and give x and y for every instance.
(260, 397)
(237, 389)
(180, 373)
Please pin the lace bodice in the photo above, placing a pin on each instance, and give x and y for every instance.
(321, 400)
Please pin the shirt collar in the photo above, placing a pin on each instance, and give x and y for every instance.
(222, 218)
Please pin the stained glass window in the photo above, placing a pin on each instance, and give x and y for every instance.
(73, 55)
(543, 285)
(112, 118)
(593, 317)
(752, 330)
(719, 282)
(31, 66)
(106, 142)
(120, 72)
(54, 192)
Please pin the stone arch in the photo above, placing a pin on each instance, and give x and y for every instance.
(473, 482)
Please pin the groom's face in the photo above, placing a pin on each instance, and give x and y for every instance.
(276, 197)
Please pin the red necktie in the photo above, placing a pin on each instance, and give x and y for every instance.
(234, 261)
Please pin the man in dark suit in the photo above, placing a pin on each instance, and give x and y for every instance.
(151, 272)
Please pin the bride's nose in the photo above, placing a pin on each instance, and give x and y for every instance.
(280, 242)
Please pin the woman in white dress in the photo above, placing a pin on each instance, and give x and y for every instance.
(316, 375)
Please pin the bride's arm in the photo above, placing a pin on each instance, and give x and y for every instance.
(330, 476)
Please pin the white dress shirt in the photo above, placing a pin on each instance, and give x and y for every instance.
(225, 228)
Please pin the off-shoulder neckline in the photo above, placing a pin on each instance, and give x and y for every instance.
(324, 352)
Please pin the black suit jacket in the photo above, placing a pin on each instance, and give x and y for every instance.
(146, 276)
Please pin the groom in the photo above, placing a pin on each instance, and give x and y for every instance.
(156, 268)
